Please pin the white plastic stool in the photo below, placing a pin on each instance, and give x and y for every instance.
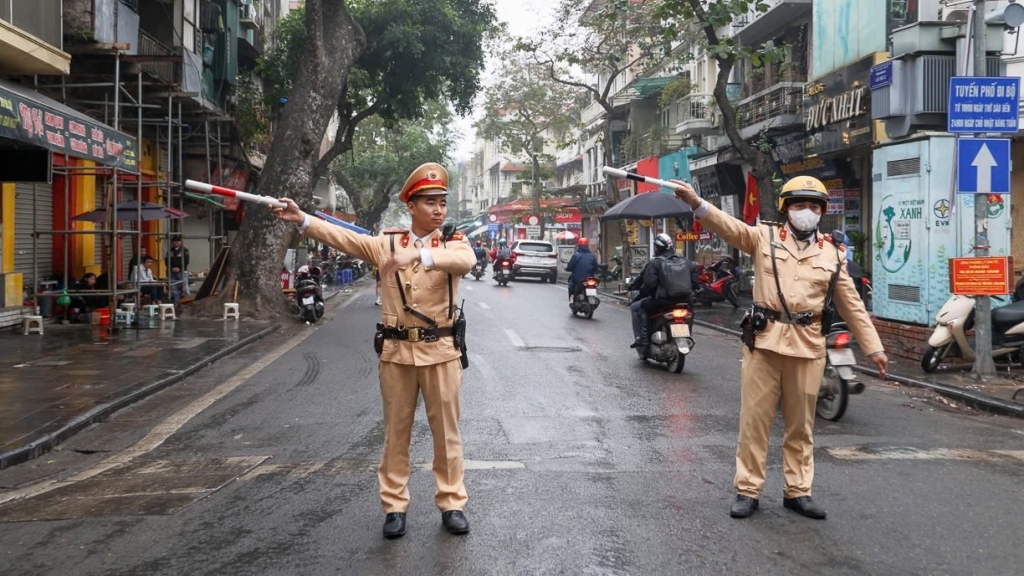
(128, 307)
(150, 310)
(231, 310)
(167, 311)
(32, 324)
(123, 317)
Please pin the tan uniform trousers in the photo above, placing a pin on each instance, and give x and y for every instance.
(765, 377)
(400, 386)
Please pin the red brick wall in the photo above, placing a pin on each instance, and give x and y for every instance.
(904, 340)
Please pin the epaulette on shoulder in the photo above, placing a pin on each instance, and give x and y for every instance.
(458, 236)
(770, 223)
(395, 231)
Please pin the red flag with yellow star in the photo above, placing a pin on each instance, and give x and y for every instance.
(751, 206)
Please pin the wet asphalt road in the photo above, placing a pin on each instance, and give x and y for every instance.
(580, 460)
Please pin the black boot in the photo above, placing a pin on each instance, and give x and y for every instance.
(455, 521)
(743, 507)
(394, 525)
(804, 506)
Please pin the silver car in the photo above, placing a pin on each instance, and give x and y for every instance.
(535, 259)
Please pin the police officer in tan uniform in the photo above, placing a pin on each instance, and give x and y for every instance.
(788, 355)
(419, 273)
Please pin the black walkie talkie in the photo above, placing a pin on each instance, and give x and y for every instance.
(447, 232)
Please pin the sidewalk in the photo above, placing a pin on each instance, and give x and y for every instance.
(953, 380)
(56, 384)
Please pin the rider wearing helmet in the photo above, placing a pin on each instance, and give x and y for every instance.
(653, 296)
(481, 255)
(785, 341)
(502, 252)
(583, 264)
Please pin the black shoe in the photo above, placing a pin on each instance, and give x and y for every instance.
(455, 522)
(743, 507)
(804, 506)
(639, 344)
(394, 525)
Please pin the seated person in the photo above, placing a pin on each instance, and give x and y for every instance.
(143, 275)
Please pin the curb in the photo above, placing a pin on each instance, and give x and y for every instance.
(99, 413)
(974, 399)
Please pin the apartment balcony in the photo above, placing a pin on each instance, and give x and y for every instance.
(755, 27)
(163, 62)
(31, 38)
(697, 115)
(658, 142)
(777, 107)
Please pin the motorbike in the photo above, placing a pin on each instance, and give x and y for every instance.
(477, 271)
(956, 318)
(605, 275)
(503, 271)
(670, 337)
(838, 381)
(717, 283)
(585, 300)
(308, 294)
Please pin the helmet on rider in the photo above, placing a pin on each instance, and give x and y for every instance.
(502, 242)
(478, 244)
(302, 270)
(583, 242)
(800, 190)
(662, 243)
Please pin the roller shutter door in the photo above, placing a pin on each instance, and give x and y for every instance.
(23, 228)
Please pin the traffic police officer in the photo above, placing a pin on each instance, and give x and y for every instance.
(420, 273)
(788, 354)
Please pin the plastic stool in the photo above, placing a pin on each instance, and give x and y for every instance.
(123, 316)
(151, 310)
(32, 324)
(167, 311)
(128, 307)
(231, 310)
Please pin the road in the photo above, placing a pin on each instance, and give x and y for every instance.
(580, 460)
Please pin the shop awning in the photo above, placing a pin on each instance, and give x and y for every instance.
(28, 116)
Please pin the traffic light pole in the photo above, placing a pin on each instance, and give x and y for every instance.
(983, 363)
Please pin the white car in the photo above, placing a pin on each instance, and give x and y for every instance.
(535, 259)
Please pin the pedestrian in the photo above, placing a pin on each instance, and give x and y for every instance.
(798, 270)
(177, 262)
(418, 339)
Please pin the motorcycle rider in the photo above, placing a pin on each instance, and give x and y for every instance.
(583, 264)
(783, 356)
(653, 296)
(481, 255)
(502, 252)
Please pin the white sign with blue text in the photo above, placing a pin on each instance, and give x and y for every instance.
(983, 166)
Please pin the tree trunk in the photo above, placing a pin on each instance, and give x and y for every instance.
(535, 159)
(613, 193)
(334, 42)
(369, 215)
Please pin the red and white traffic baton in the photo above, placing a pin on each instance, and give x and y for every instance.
(638, 177)
(237, 194)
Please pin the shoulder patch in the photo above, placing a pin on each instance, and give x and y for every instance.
(458, 236)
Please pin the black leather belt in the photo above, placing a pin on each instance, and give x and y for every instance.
(417, 334)
(799, 318)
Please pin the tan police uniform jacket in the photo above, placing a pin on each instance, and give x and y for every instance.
(804, 276)
(426, 291)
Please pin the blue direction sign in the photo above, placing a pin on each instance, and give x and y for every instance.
(983, 166)
(983, 104)
(881, 75)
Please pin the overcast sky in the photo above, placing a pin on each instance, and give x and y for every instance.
(523, 17)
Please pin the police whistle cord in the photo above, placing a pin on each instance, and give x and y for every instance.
(237, 194)
(637, 177)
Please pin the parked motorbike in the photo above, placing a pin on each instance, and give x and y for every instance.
(477, 271)
(503, 272)
(717, 283)
(670, 337)
(605, 275)
(956, 318)
(585, 300)
(308, 294)
(838, 381)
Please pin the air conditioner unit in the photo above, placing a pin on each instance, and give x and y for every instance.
(247, 12)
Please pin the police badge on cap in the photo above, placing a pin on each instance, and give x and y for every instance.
(430, 179)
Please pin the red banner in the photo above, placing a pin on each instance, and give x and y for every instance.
(647, 167)
(567, 215)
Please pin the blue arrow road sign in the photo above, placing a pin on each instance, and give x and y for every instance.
(983, 104)
(983, 166)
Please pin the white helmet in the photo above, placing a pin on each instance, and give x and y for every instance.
(662, 241)
(302, 270)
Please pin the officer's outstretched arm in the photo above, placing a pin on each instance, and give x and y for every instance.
(456, 257)
(361, 246)
(851, 308)
(734, 231)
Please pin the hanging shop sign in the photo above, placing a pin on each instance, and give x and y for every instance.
(568, 215)
(24, 118)
(836, 109)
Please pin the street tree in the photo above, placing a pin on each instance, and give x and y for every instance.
(707, 18)
(529, 113)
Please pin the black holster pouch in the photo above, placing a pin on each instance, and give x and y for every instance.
(459, 337)
(828, 314)
(378, 339)
(747, 331)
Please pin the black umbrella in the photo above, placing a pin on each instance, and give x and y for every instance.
(130, 210)
(647, 206)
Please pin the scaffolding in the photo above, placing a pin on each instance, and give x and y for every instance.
(166, 130)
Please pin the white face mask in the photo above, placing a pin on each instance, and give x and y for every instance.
(804, 220)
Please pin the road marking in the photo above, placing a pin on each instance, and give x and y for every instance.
(168, 427)
(467, 287)
(482, 366)
(484, 306)
(516, 340)
(908, 453)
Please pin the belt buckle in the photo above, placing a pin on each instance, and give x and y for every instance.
(415, 334)
(803, 318)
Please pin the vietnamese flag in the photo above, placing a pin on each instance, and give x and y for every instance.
(751, 206)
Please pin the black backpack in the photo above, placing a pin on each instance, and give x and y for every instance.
(675, 278)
